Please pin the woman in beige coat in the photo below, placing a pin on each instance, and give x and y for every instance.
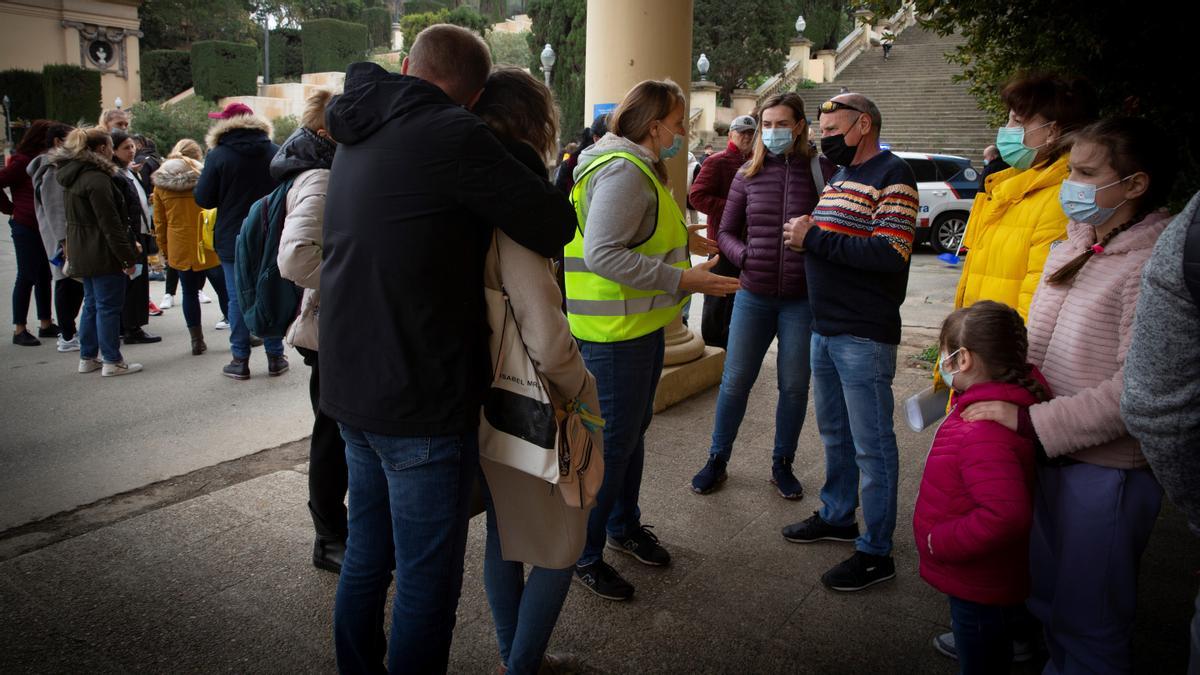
(306, 157)
(527, 521)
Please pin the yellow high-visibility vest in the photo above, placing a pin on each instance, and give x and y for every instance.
(602, 310)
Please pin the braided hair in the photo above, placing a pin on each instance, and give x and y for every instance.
(995, 333)
(1133, 146)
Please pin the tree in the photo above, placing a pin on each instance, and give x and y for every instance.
(509, 49)
(751, 40)
(563, 25)
(1137, 66)
(176, 24)
(828, 21)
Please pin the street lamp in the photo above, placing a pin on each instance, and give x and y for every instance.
(801, 24)
(548, 59)
(702, 65)
(118, 102)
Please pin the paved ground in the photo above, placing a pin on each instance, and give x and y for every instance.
(221, 582)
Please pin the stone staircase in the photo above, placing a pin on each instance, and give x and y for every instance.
(923, 109)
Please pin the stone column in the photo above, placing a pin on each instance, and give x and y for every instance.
(800, 50)
(828, 59)
(744, 101)
(630, 41)
(704, 96)
(397, 37)
(863, 17)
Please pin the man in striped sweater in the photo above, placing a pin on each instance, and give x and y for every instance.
(858, 241)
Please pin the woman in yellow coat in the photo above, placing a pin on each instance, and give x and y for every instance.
(1016, 217)
(178, 234)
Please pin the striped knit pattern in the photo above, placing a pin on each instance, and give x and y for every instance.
(1078, 336)
(861, 210)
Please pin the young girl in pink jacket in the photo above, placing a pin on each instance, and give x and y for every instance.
(1096, 501)
(975, 505)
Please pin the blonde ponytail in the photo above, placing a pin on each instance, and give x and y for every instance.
(84, 139)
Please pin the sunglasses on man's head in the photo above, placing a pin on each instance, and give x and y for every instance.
(831, 106)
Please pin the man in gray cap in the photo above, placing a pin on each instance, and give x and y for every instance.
(708, 193)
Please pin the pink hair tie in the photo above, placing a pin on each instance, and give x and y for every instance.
(1097, 249)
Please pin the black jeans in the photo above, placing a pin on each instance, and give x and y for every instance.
(718, 311)
(326, 463)
(136, 312)
(193, 283)
(172, 280)
(68, 298)
(33, 273)
(983, 635)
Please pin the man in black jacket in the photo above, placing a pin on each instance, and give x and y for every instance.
(237, 173)
(416, 188)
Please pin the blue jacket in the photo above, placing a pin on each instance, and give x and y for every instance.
(236, 173)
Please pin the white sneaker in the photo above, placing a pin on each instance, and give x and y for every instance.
(71, 345)
(222, 325)
(89, 365)
(122, 368)
(204, 299)
(167, 302)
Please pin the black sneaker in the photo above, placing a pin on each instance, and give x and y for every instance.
(816, 529)
(276, 365)
(25, 339)
(238, 369)
(859, 571)
(49, 331)
(138, 336)
(711, 476)
(604, 581)
(643, 545)
(785, 481)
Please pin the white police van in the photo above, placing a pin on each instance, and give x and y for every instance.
(947, 186)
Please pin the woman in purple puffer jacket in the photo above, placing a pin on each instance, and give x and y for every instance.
(782, 180)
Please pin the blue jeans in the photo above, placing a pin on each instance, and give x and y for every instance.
(983, 635)
(626, 376)
(852, 387)
(33, 273)
(193, 283)
(239, 334)
(524, 611)
(1091, 525)
(100, 323)
(757, 319)
(409, 504)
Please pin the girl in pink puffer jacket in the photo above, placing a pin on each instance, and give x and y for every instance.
(974, 510)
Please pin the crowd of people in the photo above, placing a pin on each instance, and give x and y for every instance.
(1070, 354)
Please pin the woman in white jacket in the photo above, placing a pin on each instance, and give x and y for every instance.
(307, 156)
(520, 110)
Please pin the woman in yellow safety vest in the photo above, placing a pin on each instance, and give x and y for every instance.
(628, 274)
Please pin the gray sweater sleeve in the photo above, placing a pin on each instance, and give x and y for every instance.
(1162, 373)
(623, 211)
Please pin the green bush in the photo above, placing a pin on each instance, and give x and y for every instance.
(72, 94)
(26, 94)
(379, 27)
(330, 45)
(221, 69)
(411, 25)
(287, 55)
(469, 18)
(283, 127)
(166, 124)
(509, 49)
(165, 73)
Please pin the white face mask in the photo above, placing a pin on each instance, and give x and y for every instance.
(948, 376)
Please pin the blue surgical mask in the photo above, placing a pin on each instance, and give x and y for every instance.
(1078, 201)
(947, 375)
(1010, 141)
(777, 140)
(669, 152)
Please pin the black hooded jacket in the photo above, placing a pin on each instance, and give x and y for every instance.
(236, 174)
(417, 186)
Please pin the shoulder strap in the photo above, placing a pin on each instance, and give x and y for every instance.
(818, 175)
(1191, 258)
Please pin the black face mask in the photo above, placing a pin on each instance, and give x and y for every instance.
(835, 148)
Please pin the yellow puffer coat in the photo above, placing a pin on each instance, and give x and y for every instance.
(1013, 222)
(177, 217)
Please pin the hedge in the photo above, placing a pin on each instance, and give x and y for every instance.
(221, 69)
(330, 45)
(379, 27)
(165, 73)
(72, 94)
(25, 92)
(287, 56)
